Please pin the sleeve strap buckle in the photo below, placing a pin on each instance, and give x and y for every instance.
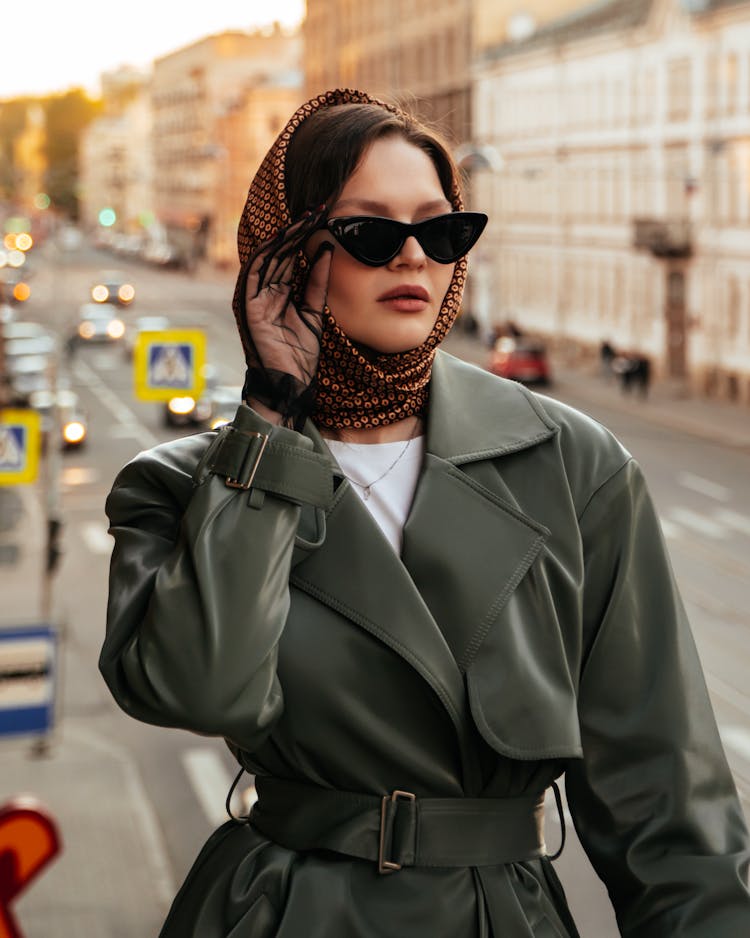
(255, 444)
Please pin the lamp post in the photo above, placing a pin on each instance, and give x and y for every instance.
(473, 158)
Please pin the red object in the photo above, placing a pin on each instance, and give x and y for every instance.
(29, 840)
(521, 360)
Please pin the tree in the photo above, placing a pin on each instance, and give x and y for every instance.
(66, 116)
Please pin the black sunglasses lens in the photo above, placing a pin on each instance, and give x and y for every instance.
(449, 237)
(370, 240)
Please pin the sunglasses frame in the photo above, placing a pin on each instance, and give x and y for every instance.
(407, 230)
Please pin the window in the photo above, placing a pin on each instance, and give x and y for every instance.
(679, 76)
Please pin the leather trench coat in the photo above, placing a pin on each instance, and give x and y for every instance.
(531, 627)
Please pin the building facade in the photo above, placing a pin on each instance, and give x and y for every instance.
(211, 125)
(620, 210)
(417, 52)
(115, 157)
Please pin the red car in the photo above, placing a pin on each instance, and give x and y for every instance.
(520, 359)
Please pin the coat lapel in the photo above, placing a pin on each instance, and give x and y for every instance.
(465, 545)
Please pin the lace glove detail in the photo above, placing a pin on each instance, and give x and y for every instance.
(282, 342)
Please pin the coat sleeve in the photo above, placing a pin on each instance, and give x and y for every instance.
(199, 591)
(653, 799)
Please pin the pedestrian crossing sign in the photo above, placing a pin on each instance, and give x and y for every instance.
(169, 362)
(20, 439)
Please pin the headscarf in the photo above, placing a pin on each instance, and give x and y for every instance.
(355, 389)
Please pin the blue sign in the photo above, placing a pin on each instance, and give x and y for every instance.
(28, 658)
(19, 446)
(171, 365)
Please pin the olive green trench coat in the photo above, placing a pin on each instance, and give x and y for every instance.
(530, 627)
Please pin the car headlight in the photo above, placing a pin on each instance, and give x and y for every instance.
(86, 330)
(126, 293)
(99, 293)
(219, 422)
(74, 432)
(181, 405)
(116, 329)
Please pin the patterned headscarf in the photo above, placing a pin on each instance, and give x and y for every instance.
(354, 390)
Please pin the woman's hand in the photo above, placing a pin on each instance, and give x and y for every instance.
(284, 347)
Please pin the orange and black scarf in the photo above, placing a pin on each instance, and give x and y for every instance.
(354, 389)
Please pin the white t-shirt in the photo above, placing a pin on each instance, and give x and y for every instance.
(384, 475)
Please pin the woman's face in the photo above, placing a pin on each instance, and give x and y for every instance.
(391, 308)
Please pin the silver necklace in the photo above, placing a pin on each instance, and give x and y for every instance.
(367, 488)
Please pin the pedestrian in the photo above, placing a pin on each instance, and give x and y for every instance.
(607, 354)
(411, 596)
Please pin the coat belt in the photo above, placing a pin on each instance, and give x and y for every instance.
(400, 829)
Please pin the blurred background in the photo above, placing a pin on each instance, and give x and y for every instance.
(608, 142)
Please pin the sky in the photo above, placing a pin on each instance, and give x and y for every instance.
(53, 45)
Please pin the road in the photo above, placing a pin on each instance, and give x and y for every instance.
(179, 781)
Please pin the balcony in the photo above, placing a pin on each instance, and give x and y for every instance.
(663, 238)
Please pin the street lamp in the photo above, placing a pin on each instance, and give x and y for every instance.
(474, 158)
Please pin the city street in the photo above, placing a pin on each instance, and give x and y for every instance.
(134, 802)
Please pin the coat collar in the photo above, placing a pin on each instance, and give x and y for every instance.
(475, 415)
(466, 547)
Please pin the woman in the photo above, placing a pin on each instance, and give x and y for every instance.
(410, 595)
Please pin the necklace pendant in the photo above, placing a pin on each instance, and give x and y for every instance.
(366, 492)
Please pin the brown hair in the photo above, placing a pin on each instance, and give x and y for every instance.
(328, 146)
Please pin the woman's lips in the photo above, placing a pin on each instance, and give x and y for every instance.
(406, 298)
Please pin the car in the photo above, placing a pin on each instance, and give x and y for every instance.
(215, 407)
(142, 324)
(30, 358)
(27, 374)
(520, 359)
(70, 421)
(23, 329)
(113, 286)
(99, 323)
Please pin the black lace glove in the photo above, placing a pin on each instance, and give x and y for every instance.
(282, 342)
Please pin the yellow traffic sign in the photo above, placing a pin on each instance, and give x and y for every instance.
(20, 444)
(169, 362)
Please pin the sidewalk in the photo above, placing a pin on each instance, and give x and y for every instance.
(667, 404)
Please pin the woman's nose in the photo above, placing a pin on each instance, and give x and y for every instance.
(410, 255)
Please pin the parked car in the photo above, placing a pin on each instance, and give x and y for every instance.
(142, 324)
(29, 351)
(215, 407)
(21, 329)
(113, 286)
(69, 423)
(521, 359)
(99, 323)
(27, 374)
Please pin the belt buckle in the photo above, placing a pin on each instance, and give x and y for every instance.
(245, 484)
(388, 866)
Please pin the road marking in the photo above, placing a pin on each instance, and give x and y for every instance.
(211, 782)
(704, 486)
(691, 519)
(96, 538)
(669, 529)
(733, 519)
(550, 808)
(78, 475)
(123, 430)
(728, 693)
(736, 738)
(112, 402)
